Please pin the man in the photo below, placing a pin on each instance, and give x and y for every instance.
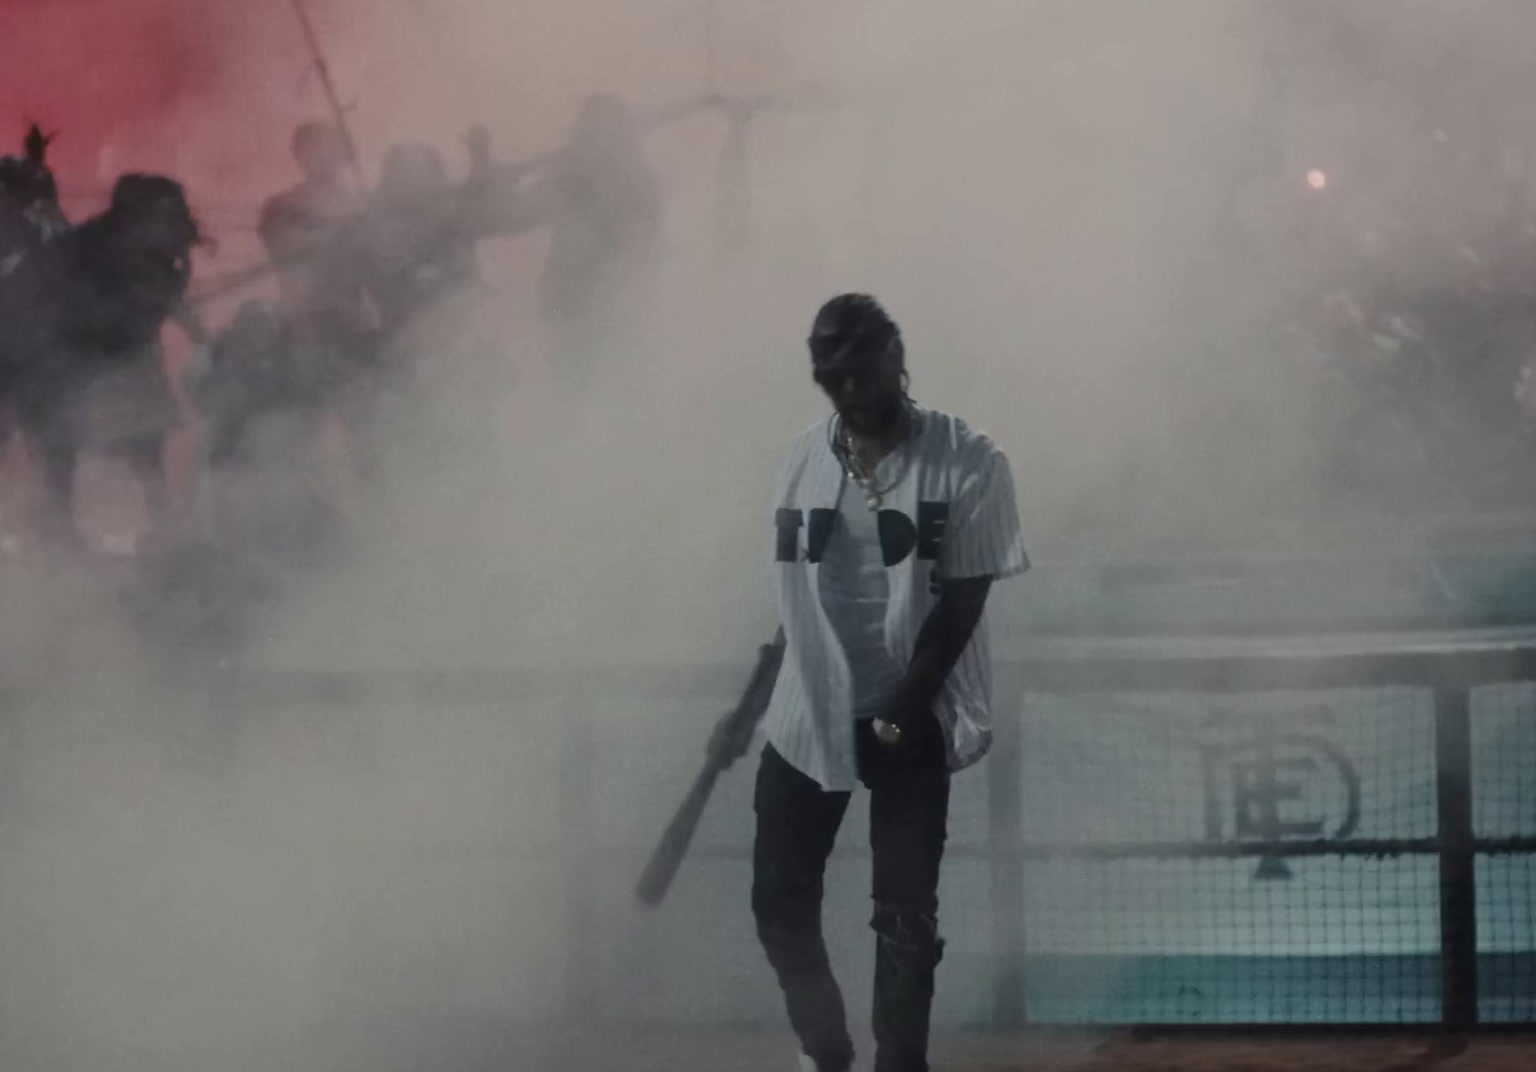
(121, 276)
(31, 221)
(29, 196)
(301, 230)
(606, 204)
(892, 523)
(312, 234)
(420, 262)
(422, 237)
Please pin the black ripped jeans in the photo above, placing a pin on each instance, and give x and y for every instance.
(797, 823)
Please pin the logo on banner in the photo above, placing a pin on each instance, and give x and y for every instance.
(1276, 778)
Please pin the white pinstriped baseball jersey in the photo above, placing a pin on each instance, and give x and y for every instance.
(953, 515)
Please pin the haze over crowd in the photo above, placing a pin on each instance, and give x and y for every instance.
(1076, 211)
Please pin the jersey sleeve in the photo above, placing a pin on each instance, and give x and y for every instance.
(982, 538)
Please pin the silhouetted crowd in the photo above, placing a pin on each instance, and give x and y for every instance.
(369, 286)
(364, 293)
(368, 289)
(1424, 393)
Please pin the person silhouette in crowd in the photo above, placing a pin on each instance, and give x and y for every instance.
(604, 201)
(100, 382)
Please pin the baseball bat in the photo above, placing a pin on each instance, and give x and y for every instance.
(738, 727)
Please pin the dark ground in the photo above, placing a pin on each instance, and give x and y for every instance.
(655, 1052)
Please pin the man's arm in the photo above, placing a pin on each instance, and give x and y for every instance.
(981, 546)
(941, 641)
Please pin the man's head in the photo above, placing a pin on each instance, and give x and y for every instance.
(858, 359)
(152, 211)
(321, 151)
(411, 171)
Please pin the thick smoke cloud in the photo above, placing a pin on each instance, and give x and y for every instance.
(160, 84)
(1044, 195)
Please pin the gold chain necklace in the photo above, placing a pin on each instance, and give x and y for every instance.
(865, 478)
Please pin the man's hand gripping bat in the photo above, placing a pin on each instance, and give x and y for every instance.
(729, 742)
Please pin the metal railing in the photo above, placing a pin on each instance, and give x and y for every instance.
(1448, 667)
(1451, 667)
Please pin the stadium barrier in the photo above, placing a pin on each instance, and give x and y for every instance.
(1233, 832)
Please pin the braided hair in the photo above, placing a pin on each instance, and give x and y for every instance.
(855, 324)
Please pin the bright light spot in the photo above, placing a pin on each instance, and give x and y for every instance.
(1317, 178)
